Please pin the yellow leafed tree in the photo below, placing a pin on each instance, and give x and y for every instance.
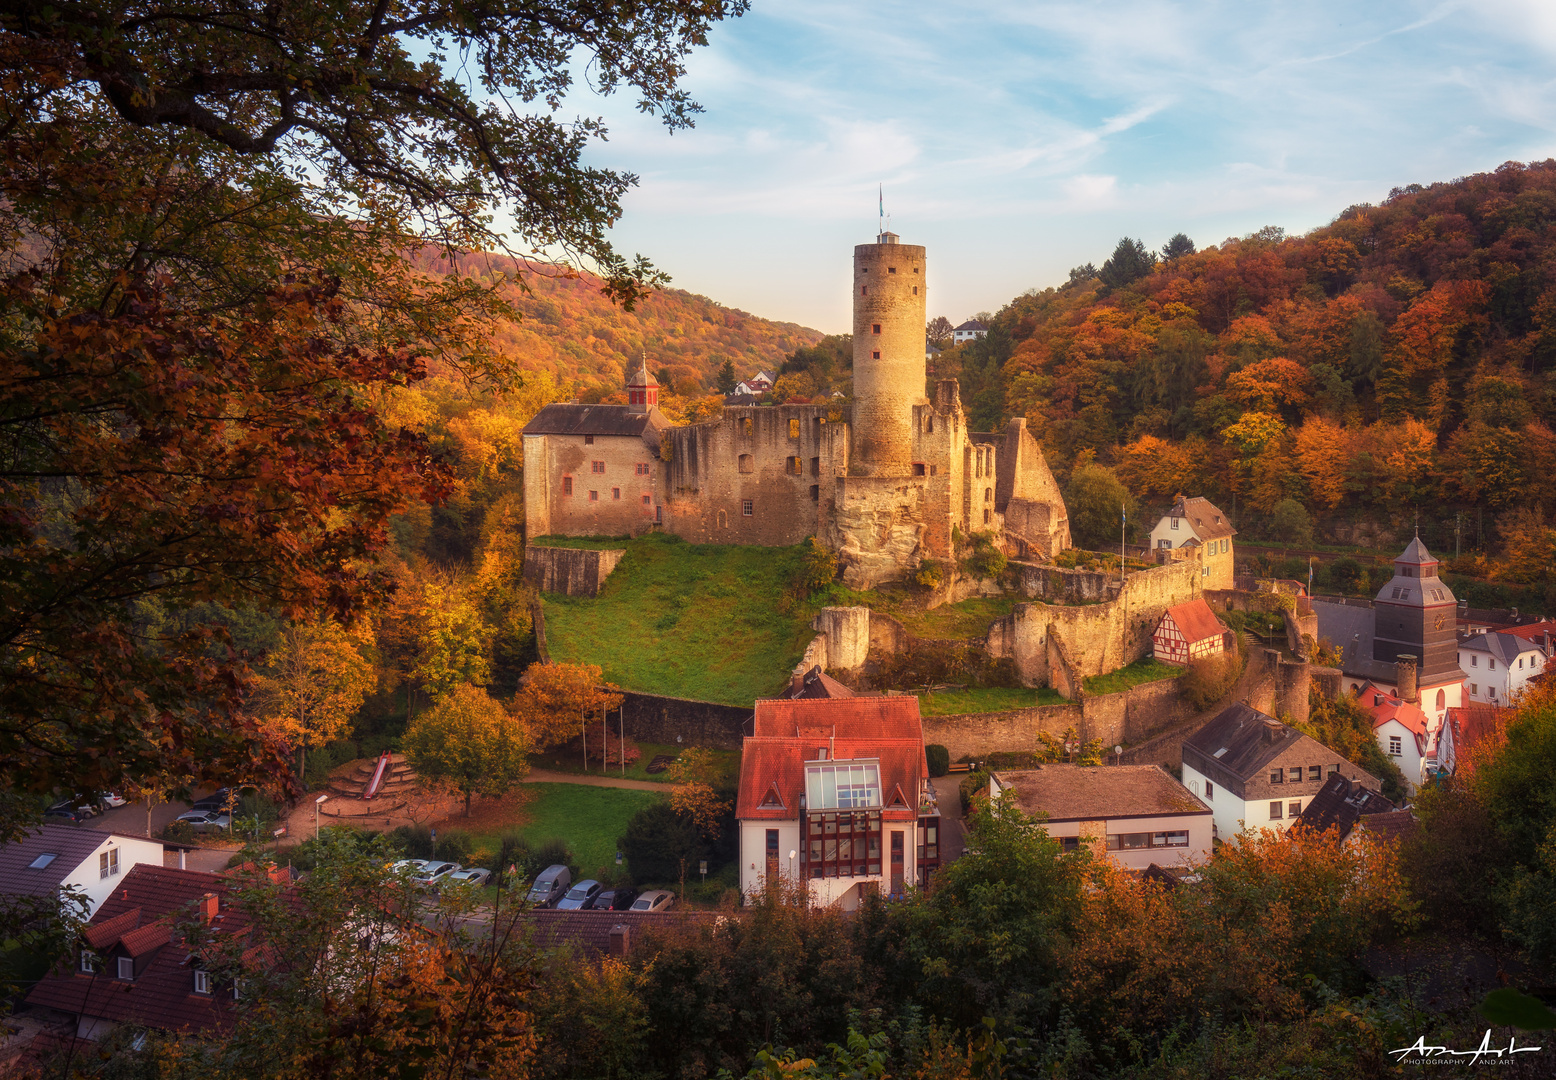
(315, 681)
(470, 743)
(1323, 450)
(554, 700)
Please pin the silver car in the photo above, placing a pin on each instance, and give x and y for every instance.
(474, 876)
(654, 900)
(206, 821)
(550, 886)
(431, 873)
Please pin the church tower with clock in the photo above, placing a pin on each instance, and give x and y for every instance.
(1414, 620)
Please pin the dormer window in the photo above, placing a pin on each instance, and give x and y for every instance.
(202, 982)
(127, 968)
(91, 963)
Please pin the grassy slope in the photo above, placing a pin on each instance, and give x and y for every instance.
(1141, 671)
(953, 622)
(727, 760)
(979, 699)
(686, 620)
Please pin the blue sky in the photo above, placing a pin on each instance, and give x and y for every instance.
(1016, 140)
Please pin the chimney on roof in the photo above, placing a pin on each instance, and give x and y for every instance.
(1273, 730)
(209, 905)
(621, 939)
(1405, 677)
(1377, 699)
(797, 680)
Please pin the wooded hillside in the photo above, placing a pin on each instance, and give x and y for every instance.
(572, 331)
(1399, 360)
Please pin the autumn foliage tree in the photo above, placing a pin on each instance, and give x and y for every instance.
(555, 700)
(313, 683)
(470, 743)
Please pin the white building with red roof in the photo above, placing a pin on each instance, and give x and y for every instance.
(1188, 632)
(834, 793)
(1403, 731)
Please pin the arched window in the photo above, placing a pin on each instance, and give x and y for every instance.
(988, 494)
(1442, 700)
(721, 519)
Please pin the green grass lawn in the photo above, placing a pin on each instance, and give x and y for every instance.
(980, 699)
(588, 819)
(685, 620)
(1147, 670)
(728, 761)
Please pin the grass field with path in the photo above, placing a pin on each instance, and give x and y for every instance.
(685, 620)
(587, 819)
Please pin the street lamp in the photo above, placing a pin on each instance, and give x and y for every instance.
(316, 804)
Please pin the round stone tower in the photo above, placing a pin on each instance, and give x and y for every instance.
(889, 306)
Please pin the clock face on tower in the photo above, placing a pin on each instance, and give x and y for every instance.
(1437, 623)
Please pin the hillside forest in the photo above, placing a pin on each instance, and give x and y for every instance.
(1394, 368)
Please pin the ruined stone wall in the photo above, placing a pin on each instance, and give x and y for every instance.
(752, 454)
(1097, 637)
(611, 478)
(569, 571)
(877, 527)
(1011, 731)
(847, 631)
(1028, 496)
(889, 293)
(939, 436)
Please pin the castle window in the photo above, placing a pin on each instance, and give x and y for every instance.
(594, 496)
(986, 517)
(642, 468)
(915, 269)
(875, 328)
(988, 494)
(659, 513)
(793, 467)
(918, 468)
(588, 440)
(794, 429)
(567, 485)
(745, 508)
(815, 466)
(864, 290)
(815, 493)
(746, 427)
(876, 355)
(615, 493)
(722, 522)
(915, 290)
(891, 269)
(932, 470)
(747, 463)
(597, 467)
(929, 425)
(647, 500)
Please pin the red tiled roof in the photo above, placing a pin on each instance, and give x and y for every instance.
(1195, 621)
(1533, 631)
(894, 717)
(1475, 723)
(1391, 708)
(137, 920)
(766, 763)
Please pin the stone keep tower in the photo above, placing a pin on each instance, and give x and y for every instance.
(889, 320)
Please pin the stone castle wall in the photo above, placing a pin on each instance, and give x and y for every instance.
(617, 506)
(1099, 636)
(782, 460)
(569, 571)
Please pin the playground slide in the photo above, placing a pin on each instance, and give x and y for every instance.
(378, 776)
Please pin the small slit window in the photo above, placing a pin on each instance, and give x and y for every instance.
(915, 288)
(815, 493)
(876, 355)
(891, 269)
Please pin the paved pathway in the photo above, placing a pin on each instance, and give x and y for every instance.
(952, 833)
(546, 776)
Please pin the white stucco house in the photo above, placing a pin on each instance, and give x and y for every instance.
(1498, 666)
(54, 857)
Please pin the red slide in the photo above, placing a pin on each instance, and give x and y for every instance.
(378, 776)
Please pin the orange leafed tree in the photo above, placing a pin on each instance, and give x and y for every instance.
(554, 700)
(1323, 448)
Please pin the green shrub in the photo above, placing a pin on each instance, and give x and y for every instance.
(552, 852)
(1209, 679)
(971, 785)
(817, 568)
(939, 759)
(931, 572)
(179, 832)
(984, 559)
(656, 842)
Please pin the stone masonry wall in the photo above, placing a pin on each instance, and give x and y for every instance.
(657, 719)
(608, 502)
(1098, 637)
(889, 297)
(569, 571)
(782, 460)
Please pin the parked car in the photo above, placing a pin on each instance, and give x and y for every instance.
(550, 886)
(216, 800)
(109, 800)
(413, 865)
(474, 876)
(654, 900)
(206, 821)
(66, 813)
(432, 872)
(614, 900)
(84, 809)
(581, 896)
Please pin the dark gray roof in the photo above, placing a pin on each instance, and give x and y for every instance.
(597, 420)
(1348, 626)
(1505, 647)
(1342, 802)
(69, 845)
(1236, 740)
(971, 325)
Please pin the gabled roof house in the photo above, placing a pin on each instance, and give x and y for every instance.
(49, 858)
